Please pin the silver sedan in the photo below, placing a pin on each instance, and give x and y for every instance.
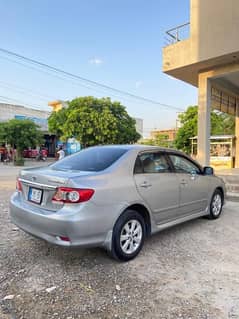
(114, 197)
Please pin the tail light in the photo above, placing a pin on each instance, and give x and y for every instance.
(63, 238)
(72, 195)
(18, 185)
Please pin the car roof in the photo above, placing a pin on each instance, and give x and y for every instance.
(138, 147)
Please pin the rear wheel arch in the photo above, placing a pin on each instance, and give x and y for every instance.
(126, 244)
(143, 211)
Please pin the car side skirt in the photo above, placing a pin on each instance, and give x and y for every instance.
(179, 221)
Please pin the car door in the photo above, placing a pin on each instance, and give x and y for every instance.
(193, 185)
(157, 185)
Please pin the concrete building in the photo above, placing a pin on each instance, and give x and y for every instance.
(169, 134)
(209, 60)
(10, 111)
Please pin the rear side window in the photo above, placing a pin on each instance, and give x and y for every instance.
(93, 159)
(149, 163)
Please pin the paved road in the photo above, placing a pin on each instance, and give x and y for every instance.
(189, 271)
(8, 172)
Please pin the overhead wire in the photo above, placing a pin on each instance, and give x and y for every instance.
(91, 83)
(74, 82)
(77, 83)
(21, 103)
(22, 90)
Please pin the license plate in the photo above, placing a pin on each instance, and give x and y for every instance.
(35, 195)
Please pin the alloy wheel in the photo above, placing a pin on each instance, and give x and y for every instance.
(216, 205)
(131, 236)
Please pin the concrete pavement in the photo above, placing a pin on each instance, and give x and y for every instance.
(9, 172)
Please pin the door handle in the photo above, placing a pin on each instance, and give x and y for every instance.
(145, 184)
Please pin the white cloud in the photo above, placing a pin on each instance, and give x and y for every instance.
(96, 61)
(138, 84)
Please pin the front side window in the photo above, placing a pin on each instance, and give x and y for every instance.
(149, 163)
(183, 165)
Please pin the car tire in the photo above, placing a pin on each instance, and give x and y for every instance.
(128, 236)
(216, 205)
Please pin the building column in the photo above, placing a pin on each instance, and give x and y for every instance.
(237, 135)
(204, 120)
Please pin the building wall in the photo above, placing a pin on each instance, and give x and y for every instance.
(211, 54)
(171, 134)
(214, 28)
(9, 111)
(213, 41)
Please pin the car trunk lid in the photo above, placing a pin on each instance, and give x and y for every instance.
(40, 184)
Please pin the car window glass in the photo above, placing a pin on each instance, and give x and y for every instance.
(183, 165)
(153, 163)
(138, 168)
(93, 159)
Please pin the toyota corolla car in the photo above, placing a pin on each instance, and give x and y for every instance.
(114, 197)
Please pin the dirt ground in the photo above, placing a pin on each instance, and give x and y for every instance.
(189, 271)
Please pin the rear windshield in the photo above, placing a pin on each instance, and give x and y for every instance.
(93, 159)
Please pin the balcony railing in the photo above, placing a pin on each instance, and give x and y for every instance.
(177, 34)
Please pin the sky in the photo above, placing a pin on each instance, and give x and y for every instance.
(115, 42)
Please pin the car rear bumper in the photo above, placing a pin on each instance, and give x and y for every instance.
(82, 226)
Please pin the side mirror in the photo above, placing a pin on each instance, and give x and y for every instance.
(207, 170)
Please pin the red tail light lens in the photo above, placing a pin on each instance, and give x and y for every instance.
(19, 185)
(64, 238)
(72, 195)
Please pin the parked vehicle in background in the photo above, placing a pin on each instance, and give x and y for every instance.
(30, 153)
(34, 153)
(114, 197)
(41, 156)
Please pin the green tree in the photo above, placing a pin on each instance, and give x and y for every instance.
(162, 140)
(94, 121)
(56, 121)
(221, 124)
(20, 133)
